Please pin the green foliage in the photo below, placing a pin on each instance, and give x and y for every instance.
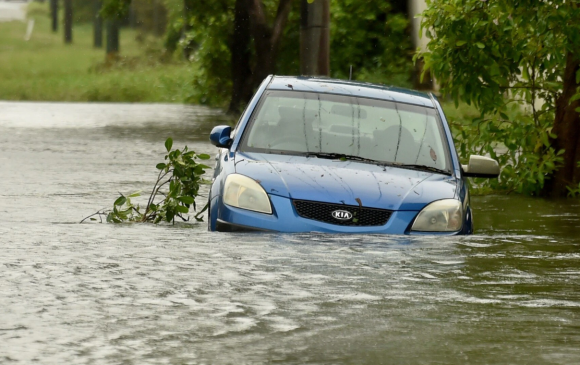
(515, 141)
(574, 191)
(367, 35)
(36, 70)
(210, 28)
(115, 8)
(173, 194)
(371, 38)
(507, 59)
(151, 15)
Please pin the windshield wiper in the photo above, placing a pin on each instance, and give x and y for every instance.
(343, 157)
(421, 168)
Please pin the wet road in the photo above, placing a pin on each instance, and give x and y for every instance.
(14, 10)
(142, 294)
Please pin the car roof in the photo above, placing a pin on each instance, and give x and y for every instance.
(356, 88)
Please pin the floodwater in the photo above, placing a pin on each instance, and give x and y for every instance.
(96, 293)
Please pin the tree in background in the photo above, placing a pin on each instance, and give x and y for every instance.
(266, 37)
(113, 11)
(149, 16)
(235, 44)
(518, 62)
(372, 36)
(68, 21)
(210, 26)
(241, 54)
(97, 24)
(252, 26)
(54, 14)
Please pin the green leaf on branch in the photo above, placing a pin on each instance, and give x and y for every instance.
(171, 196)
(204, 156)
(120, 201)
(480, 45)
(169, 144)
(186, 199)
(181, 209)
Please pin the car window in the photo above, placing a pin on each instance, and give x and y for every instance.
(302, 122)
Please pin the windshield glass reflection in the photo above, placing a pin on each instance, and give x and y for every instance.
(378, 130)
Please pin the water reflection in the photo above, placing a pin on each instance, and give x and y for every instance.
(525, 215)
(109, 294)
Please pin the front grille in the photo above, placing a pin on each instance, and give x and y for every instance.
(361, 216)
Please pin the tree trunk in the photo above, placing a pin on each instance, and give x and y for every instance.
(68, 21)
(97, 25)
(240, 58)
(112, 37)
(266, 38)
(567, 128)
(315, 38)
(54, 14)
(265, 56)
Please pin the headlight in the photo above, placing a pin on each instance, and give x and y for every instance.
(440, 216)
(242, 192)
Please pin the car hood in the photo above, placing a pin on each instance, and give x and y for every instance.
(345, 182)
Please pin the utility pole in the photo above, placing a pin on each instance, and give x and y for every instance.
(315, 38)
(54, 14)
(68, 20)
(98, 25)
(112, 37)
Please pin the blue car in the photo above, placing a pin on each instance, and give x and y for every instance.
(323, 155)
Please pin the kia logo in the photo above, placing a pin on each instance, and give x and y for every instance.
(342, 215)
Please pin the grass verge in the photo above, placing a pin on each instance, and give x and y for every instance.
(45, 69)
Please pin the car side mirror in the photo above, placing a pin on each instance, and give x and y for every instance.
(481, 166)
(220, 136)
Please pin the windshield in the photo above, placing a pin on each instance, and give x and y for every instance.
(307, 123)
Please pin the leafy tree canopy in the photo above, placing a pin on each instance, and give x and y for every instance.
(509, 58)
(372, 36)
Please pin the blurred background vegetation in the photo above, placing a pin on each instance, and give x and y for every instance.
(44, 68)
(169, 56)
(209, 52)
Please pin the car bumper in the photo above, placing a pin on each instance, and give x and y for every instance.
(284, 218)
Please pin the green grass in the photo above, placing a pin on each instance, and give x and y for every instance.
(45, 69)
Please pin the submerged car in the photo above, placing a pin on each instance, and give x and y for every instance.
(323, 155)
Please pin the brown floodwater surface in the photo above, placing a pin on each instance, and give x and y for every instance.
(95, 293)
